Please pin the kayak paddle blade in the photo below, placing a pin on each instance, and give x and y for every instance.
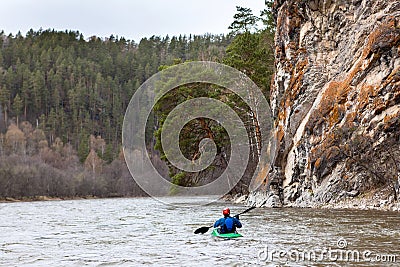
(202, 230)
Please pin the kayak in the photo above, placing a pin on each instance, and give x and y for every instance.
(229, 235)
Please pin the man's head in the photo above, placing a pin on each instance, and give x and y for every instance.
(226, 212)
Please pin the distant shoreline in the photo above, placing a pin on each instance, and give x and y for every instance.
(47, 198)
(359, 203)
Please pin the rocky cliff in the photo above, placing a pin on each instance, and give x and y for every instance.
(336, 103)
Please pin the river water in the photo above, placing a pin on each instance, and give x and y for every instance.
(147, 232)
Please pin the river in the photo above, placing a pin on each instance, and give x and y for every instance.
(147, 232)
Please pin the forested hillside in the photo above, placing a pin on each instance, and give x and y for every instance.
(63, 98)
(71, 87)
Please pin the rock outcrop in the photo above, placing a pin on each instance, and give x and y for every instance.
(336, 102)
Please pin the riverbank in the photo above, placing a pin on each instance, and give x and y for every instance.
(379, 199)
(42, 198)
(47, 198)
(370, 201)
(374, 200)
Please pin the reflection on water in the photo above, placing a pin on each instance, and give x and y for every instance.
(134, 232)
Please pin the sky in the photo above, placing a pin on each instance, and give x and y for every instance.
(132, 19)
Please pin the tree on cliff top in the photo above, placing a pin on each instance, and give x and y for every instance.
(267, 17)
(253, 52)
(244, 21)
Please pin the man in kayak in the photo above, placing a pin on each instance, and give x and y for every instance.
(228, 224)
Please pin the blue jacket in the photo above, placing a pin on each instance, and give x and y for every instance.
(228, 225)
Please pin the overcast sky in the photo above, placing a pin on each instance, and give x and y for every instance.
(132, 19)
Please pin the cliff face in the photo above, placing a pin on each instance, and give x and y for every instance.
(336, 102)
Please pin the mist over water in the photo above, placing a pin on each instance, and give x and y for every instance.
(143, 231)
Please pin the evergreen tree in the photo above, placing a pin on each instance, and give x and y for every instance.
(83, 148)
(17, 107)
(4, 101)
(244, 21)
(267, 17)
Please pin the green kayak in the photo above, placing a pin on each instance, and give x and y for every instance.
(230, 235)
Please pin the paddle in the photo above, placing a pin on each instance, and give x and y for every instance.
(204, 229)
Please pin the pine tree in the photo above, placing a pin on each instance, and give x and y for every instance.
(83, 148)
(4, 101)
(267, 17)
(244, 21)
(17, 107)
